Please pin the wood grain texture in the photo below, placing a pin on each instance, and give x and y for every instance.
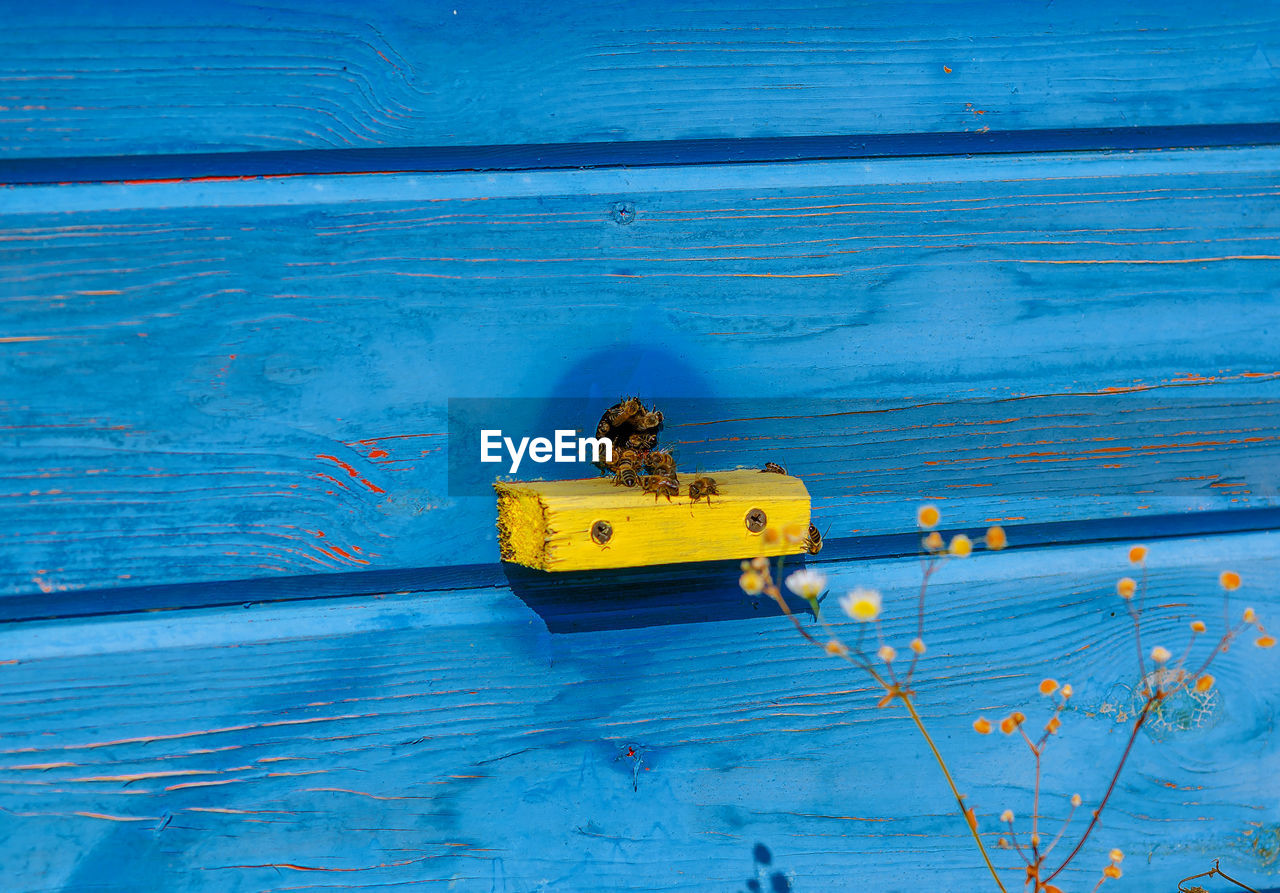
(79, 79)
(452, 741)
(219, 393)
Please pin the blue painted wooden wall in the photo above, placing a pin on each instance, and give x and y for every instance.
(1022, 262)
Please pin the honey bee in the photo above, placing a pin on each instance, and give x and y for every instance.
(649, 421)
(774, 468)
(625, 475)
(703, 487)
(661, 462)
(624, 411)
(813, 542)
(660, 485)
(642, 442)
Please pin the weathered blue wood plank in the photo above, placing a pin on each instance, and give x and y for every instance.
(186, 390)
(80, 79)
(452, 740)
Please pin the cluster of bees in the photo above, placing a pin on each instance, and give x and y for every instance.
(638, 462)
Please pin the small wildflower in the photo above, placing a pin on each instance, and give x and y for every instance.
(1138, 554)
(1075, 800)
(761, 564)
(746, 566)
(887, 654)
(917, 645)
(1035, 840)
(771, 536)
(807, 583)
(1160, 654)
(1204, 683)
(961, 545)
(996, 539)
(1116, 856)
(751, 583)
(1018, 717)
(1230, 580)
(933, 542)
(794, 533)
(1048, 686)
(1197, 626)
(1266, 641)
(861, 604)
(1053, 725)
(1007, 816)
(1112, 871)
(1003, 843)
(982, 725)
(1250, 616)
(1067, 691)
(928, 516)
(836, 648)
(1126, 587)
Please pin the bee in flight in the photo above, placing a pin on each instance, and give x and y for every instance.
(774, 468)
(703, 487)
(813, 542)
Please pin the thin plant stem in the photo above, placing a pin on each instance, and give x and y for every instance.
(1215, 870)
(1115, 777)
(915, 717)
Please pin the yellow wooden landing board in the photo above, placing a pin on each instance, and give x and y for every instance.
(553, 525)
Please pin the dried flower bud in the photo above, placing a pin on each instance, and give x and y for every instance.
(1007, 816)
(1160, 654)
(887, 654)
(1126, 587)
(1003, 843)
(1266, 641)
(1048, 686)
(928, 516)
(1250, 616)
(760, 563)
(1075, 800)
(933, 542)
(1035, 840)
(1053, 725)
(917, 645)
(836, 648)
(996, 539)
(1229, 580)
(1112, 871)
(1204, 683)
(982, 725)
(972, 818)
(1138, 554)
(1197, 626)
(1066, 692)
(1116, 856)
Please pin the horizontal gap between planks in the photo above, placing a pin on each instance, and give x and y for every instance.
(182, 596)
(214, 166)
(627, 183)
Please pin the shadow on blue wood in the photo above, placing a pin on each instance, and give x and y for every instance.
(587, 601)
